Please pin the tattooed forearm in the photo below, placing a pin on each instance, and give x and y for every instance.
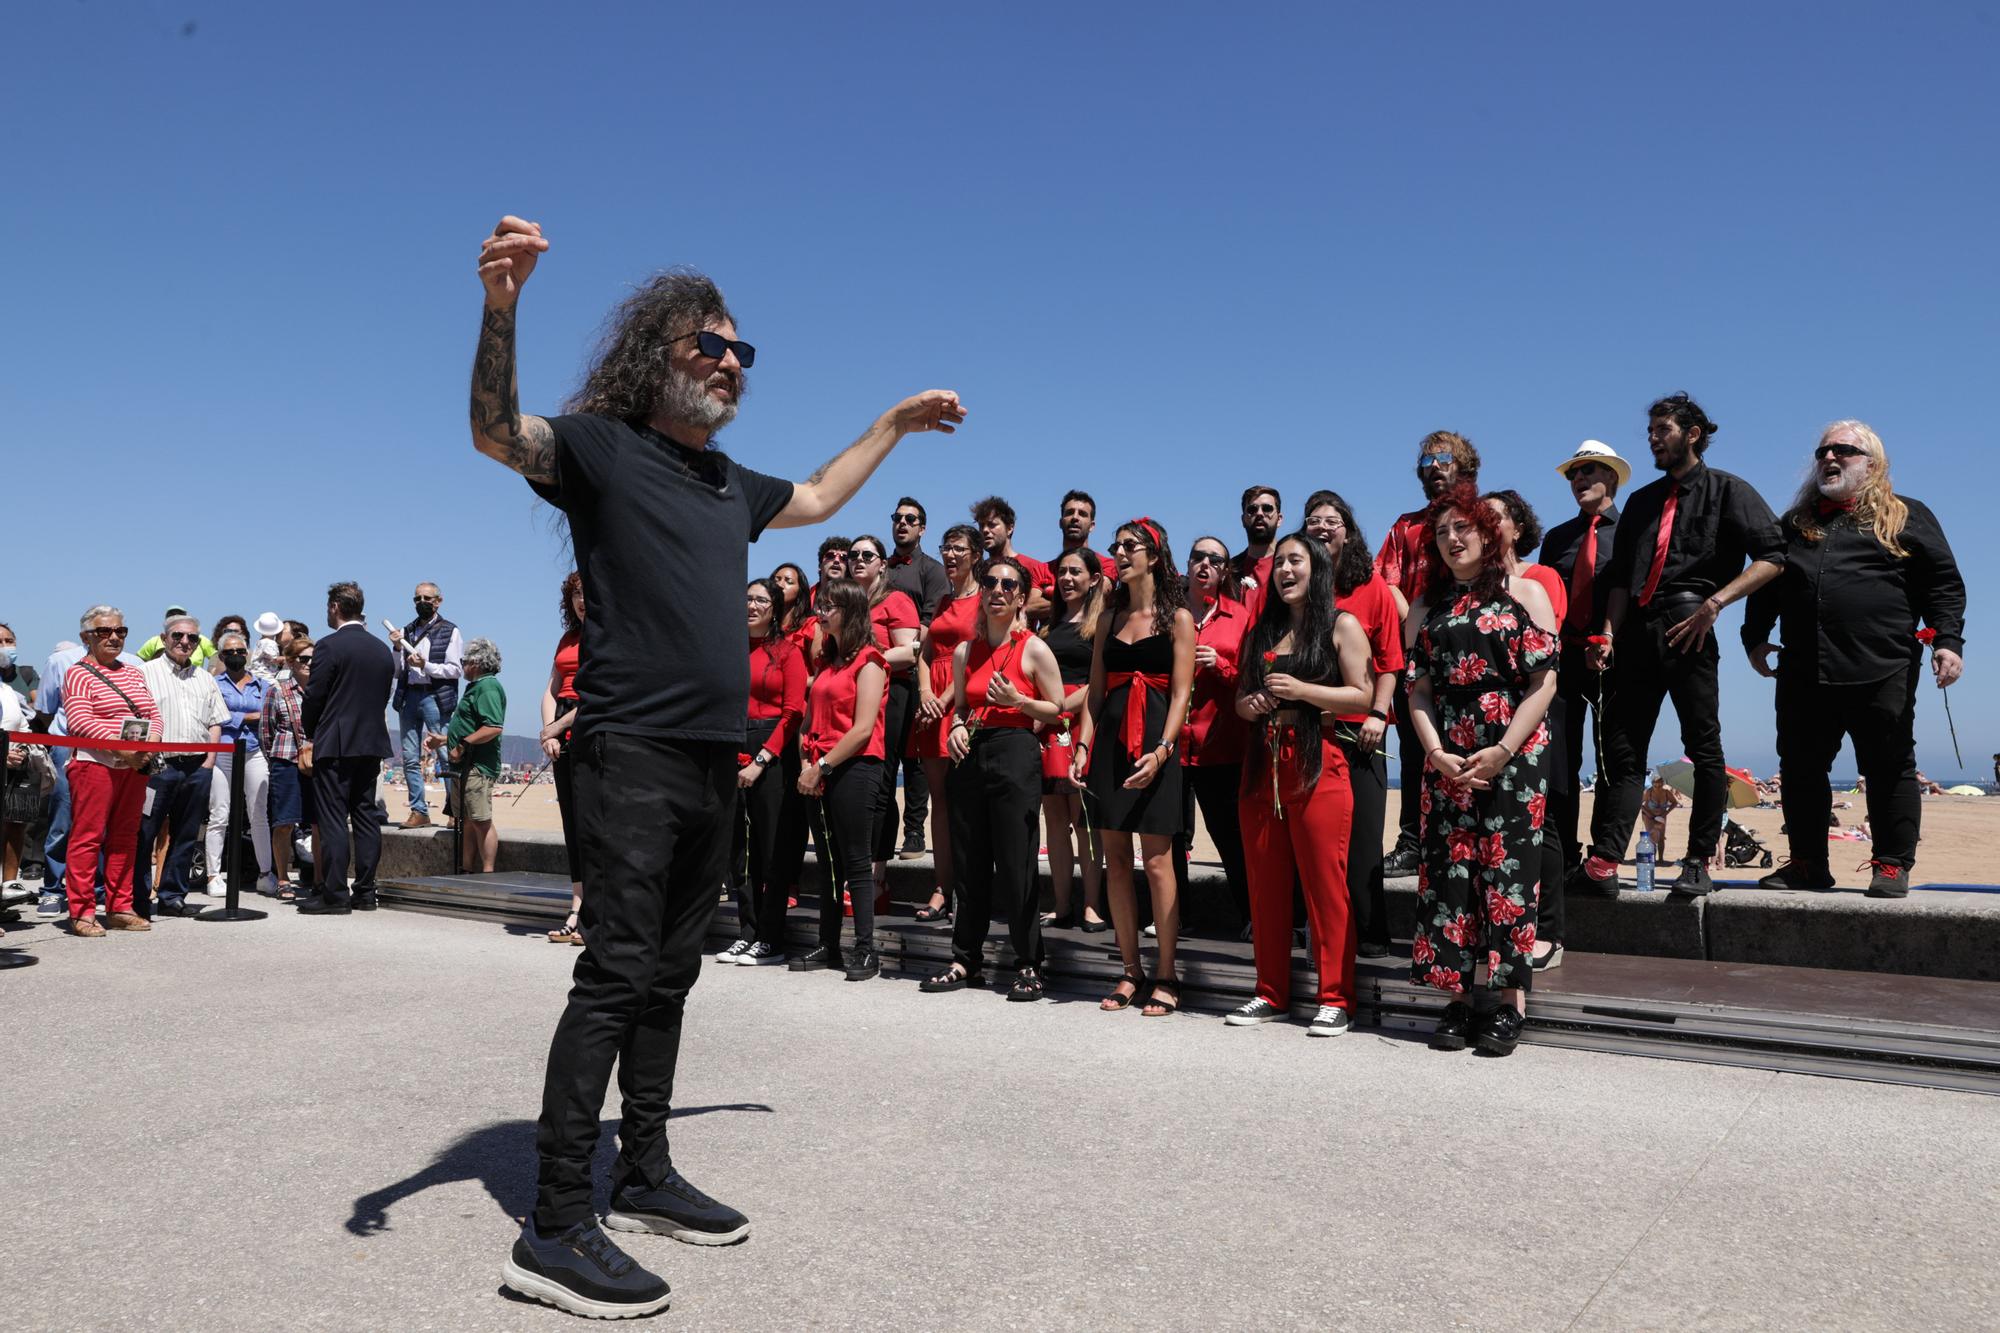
(525, 444)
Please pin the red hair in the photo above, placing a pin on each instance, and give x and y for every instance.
(1463, 498)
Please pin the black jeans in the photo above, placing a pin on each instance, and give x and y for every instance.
(564, 769)
(916, 800)
(760, 903)
(1649, 672)
(1409, 773)
(1879, 719)
(900, 701)
(178, 795)
(653, 825)
(344, 796)
(1551, 908)
(795, 823)
(843, 825)
(1578, 689)
(1368, 779)
(1214, 787)
(996, 799)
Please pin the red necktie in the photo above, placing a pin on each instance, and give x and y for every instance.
(1660, 548)
(1582, 577)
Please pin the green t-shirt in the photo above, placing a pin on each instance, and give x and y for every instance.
(483, 704)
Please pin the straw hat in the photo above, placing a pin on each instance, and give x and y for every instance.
(1596, 451)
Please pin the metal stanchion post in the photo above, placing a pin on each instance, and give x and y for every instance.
(232, 843)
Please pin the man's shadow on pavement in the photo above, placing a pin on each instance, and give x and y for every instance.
(501, 1157)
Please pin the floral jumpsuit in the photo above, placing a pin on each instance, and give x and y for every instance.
(1481, 849)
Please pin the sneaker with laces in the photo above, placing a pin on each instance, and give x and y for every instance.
(1693, 881)
(1797, 876)
(760, 954)
(816, 959)
(734, 953)
(53, 902)
(1330, 1021)
(863, 964)
(1889, 880)
(583, 1272)
(674, 1208)
(1256, 1011)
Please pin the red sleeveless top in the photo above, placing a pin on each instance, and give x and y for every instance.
(982, 660)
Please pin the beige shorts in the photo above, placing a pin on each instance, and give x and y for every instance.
(479, 796)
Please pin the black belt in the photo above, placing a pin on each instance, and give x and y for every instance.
(1679, 605)
(184, 761)
(757, 730)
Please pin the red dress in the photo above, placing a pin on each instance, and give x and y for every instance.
(831, 711)
(956, 621)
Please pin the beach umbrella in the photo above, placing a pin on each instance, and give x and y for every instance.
(1742, 786)
(1963, 789)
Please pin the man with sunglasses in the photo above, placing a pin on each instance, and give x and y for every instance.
(635, 469)
(1444, 458)
(1677, 560)
(923, 581)
(1864, 567)
(192, 712)
(433, 654)
(156, 645)
(1263, 514)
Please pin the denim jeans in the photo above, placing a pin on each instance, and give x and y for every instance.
(56, 849)
(179, 793)
(418, 716)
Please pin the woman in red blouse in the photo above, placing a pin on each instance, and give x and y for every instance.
(777, 702)
(1005, 681)
(1214, 733)
(842, 774)
(102, 696)
(952, 623)
(895, 626)
(798, 622)
(558, 716)
(1366, 595)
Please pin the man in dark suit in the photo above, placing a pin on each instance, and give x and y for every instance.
(345, 710)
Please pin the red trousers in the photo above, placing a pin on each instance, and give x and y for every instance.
(105, 805)
(1308, 845)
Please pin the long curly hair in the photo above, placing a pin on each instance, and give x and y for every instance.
(1877, 507)
(571, 622)
(635, 352)
(1169, 589)
(1491, 580)
(1313, 655)
(1353, 567)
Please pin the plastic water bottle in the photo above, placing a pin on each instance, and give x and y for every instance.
(1645, 859)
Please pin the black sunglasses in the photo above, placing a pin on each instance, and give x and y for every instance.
(1838, 451)
(304, 659)
(995, 583)
(179, 636)
(1124, 544)
(900, 519)
(862, 557)
(713, 345)
(116, 633)
(1206, 558)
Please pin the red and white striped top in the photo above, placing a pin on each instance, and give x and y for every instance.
(94, 710)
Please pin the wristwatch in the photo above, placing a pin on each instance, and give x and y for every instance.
(1168, 746)
(1378, 715)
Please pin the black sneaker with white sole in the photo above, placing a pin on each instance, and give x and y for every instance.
(1330, 1021)
(583, 1272)
(1254, 1012)
(817, 959)
(761, 954)
(674, 1208)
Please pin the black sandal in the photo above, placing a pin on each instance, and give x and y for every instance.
(952, 978)
(1171, 1005)
(1114, 1002)
(928, 914)
(1027, 986)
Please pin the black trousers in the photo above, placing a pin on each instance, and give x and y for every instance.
(653, 825)
(1880, 720)
(343, 798)
(1650, 672)
(760, 808)
(996, 799)
(916, 797)
(1214, 788)
(1577, 688)
(1409, 773)
(844, 823)
(1368, 779)
(901, 701)
(795, 823)
(1551, 907)
(564, 769)
(178, 795)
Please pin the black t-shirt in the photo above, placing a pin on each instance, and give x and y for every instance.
(662, 536)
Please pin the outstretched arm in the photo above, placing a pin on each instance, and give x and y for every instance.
(821, 495)
(527, 444)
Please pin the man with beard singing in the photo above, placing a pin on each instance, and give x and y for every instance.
(1863, 566)
(635, 469)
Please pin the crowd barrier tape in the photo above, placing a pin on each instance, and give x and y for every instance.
(60, 742)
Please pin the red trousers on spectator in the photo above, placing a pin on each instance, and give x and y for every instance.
(105, 805)
(1308, 844)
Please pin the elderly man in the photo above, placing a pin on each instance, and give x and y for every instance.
(426, 688)
(1863, 568)
(660, 721)
(105, 698)
(472, 743)
(191, 713)
(153, 647)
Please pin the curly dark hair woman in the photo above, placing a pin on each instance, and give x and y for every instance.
(572, 603)
(631, 377)
(1351, 564)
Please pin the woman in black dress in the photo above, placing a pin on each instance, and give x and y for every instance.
(1071, 634)
(1141, 677)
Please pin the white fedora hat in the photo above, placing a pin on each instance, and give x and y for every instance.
(1597, 451)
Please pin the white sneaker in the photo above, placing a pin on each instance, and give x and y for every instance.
(734, 953)
(760, 954)
(1255, 1012)
(1330, 1021)
(1153, 932)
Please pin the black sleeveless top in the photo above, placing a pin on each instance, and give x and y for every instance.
(1072, 653)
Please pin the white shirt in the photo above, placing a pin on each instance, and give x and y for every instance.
(190, 701)
(450, 669)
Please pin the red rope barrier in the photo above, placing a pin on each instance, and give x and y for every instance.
(92, 743)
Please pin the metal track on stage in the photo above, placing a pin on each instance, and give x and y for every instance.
(1923, 1032)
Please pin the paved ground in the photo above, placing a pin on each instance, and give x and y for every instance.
(327, 1124)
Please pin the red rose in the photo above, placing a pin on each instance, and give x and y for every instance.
(1496, 707)
(1463, 733)
(1459, 930)
(1538, 805)
(1493, 961)
(1598, 640)
(1492, 851)
(1461, 606)
(1462, 844)
(1468, 669)
(1423, 877)
(1443, 978)
(1422, 954)
(1523, 938)
(1500, 909)
(1269, 659)
(1461, 796)
(1424, 798)
(1491, 622)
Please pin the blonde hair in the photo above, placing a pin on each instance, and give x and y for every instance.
(1876, 505)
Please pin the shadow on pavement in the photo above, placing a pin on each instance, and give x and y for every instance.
(501, 1157)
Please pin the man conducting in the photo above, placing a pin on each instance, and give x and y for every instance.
(635, 470)
(1863, 566)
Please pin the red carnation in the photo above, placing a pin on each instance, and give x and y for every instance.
(1926, 635)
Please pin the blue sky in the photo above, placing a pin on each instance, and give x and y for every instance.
(1162, 252)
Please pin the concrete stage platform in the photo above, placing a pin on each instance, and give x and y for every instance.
(1924, 1031)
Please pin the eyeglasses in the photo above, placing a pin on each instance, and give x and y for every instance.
(758, 601)
(905, 520)
(117, 632)
(1124, 544)
(1206, 558)
(179, 637)
(995, 583)
(713, 345)
(1826, 451)
(863, 557)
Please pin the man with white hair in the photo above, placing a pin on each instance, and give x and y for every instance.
(191, 713)
(1863, 568)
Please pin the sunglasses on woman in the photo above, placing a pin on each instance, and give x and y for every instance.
(997, 583)
(713, 346)
(1206, 558)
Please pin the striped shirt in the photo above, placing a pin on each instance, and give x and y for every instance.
(94, 711)
(189, 701)
(283, 729)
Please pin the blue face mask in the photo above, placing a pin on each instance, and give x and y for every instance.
(7, 654)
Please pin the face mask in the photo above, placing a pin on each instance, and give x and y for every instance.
(234, 661)
(7, 654)
(424, 610)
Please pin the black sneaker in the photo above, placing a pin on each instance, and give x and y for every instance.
(863, 964)
(1501, 1033)
(1580, 880)
(583, 1272)
(1694, 881)
(1797, 876)
(676, 1208)
(816, 959)
(1453, 1028)
(1399, 863)
(319, 906)
(1330, 1021)
(1889, 880)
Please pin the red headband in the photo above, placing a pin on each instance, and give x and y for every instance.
(1151, 529)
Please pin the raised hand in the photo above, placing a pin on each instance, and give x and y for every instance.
(507, 257)
(933, 409)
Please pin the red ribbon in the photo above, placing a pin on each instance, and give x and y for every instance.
(1134, 734)
(58, 742)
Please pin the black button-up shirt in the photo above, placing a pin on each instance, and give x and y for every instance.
(1720, 522)
(922, 580)
(1850, 608)
(1563, 543)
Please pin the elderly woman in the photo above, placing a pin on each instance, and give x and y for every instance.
(245, 694)
(472, 739)
(105, 699)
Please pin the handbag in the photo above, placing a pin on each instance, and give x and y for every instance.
(149, 764)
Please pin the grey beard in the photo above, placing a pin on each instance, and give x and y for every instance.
(685, 399)
(1842, 487)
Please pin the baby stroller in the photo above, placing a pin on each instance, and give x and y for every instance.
(1740, 847)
